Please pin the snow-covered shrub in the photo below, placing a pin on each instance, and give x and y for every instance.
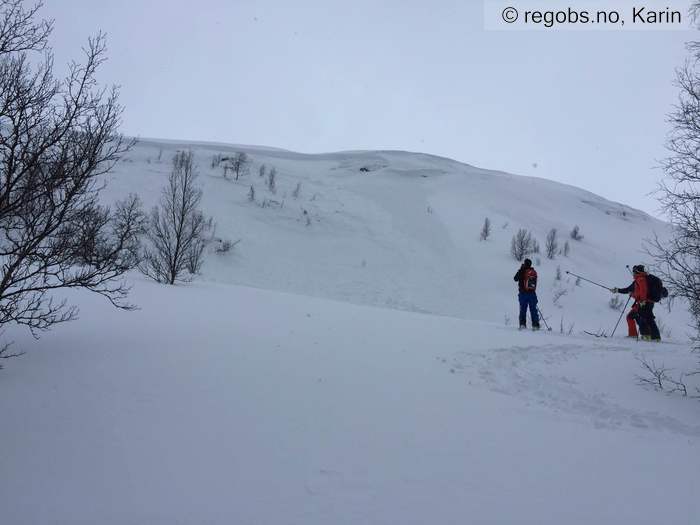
(239, 165)
(522, 244)
(272, 180)
(568, 330)
(225, 245)
(551, 245)
(271, 203)
(557, 295)
(660, 378)
(485, 229)
(575, 233)
(616, 303)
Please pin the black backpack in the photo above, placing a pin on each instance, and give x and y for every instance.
(655, 288)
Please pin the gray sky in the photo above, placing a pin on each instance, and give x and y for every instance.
(585, 108)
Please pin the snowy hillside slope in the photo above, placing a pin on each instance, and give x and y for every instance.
(222, 404)
(401, 230)
(232, 400)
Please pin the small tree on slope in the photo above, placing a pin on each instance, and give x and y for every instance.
(240, 165)
(522, 244)
(176, 227)
(485, 230)
(272, 180)
(575, 233)
(551, 245)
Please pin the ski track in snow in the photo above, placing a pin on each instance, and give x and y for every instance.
(533, 374)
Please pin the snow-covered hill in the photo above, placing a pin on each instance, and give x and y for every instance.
(401, 230)
(258, 395)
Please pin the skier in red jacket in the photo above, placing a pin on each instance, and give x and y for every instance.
(643, 308)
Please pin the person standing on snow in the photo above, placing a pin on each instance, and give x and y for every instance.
(643, 307)
(526, 277)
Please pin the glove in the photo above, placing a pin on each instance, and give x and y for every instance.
(613, 290)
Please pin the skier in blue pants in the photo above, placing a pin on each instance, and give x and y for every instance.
(526, 277)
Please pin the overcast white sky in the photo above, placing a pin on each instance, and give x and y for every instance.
(585, 108)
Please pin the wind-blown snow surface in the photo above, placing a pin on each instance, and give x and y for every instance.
(232, 400)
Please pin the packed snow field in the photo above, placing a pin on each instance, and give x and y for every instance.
(260, 394)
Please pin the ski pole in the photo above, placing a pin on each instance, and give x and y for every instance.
(588, 280)
(543, 319)
(620, 319)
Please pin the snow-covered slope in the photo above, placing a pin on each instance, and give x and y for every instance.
(221, 404)
(401, 230)
(232, 400)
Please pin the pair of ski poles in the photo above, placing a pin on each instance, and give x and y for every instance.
(598, 284)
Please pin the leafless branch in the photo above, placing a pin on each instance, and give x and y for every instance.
(58, 138)
(656, 375)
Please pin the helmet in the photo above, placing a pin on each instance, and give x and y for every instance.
(639, 268)
(527, 263)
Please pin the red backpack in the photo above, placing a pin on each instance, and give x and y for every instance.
(530, 280)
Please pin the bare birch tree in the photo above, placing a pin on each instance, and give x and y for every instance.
(176, 228)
